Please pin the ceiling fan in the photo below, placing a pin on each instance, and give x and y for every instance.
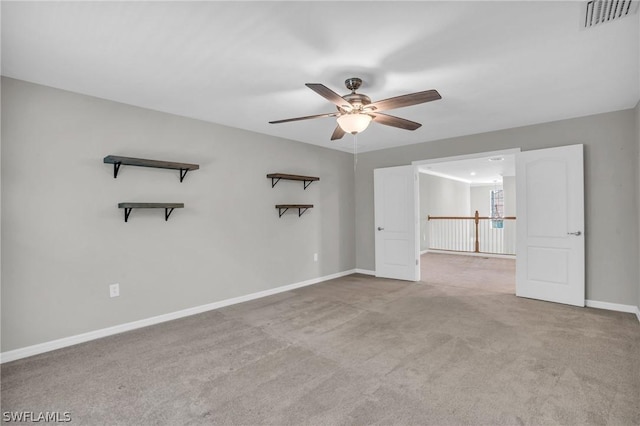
(356, 111)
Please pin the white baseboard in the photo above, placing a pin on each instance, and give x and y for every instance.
(121, 328)
(612, 306)
(424, 251)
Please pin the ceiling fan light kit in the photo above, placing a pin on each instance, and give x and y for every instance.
(354, 123)
(356, 111)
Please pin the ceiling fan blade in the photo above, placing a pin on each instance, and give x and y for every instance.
(308, 117)
(330, 95)
(405, 100)
(338, 133)
(390, 120)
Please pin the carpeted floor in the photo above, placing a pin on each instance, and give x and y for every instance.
(474, 272)
(355, 350)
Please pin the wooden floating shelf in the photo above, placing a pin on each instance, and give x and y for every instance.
(275, 178)
(282, 208)
(117, 161)
(168, 208)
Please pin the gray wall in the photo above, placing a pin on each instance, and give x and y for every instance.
(440, 197)
(611, 190)
(64, 240)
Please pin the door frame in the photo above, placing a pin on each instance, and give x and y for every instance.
(509, 151)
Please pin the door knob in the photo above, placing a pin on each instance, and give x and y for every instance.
(380, 228)
(577, 233)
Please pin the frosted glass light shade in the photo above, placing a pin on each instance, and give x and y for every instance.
(354, 123)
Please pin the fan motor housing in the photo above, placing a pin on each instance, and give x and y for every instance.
(356, 99)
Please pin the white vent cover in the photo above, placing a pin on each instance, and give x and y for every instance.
(601, 11)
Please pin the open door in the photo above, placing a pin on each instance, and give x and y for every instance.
(550, 225)
(396, 229)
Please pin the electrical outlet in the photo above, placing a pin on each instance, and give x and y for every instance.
(315, 257)
(114, 290)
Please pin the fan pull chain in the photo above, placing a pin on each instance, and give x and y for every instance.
(355, 151)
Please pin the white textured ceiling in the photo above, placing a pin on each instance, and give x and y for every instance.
(475, 171)
(496, 64)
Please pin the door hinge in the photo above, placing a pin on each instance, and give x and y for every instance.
(416, 262)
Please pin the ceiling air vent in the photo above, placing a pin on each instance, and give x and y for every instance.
(602, 11)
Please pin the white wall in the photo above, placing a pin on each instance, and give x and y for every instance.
(481, 199)
(611, 168)
(64, 240)
(440, 197)
(509, 186)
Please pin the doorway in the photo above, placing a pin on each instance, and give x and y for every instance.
(467, 221)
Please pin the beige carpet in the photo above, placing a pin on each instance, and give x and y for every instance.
(475, 272)
(355, 350)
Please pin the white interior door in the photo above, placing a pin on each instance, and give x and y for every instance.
(550, 225)
(396, 228)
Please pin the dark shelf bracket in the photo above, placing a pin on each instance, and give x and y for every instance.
(306, 183)
(274, 181)
(168, 208)
(301, 210)
(183, 173)
(116, 168)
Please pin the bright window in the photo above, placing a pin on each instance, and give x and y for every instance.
(497, 208)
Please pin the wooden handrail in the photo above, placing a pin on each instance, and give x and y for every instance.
(471, 217)
(449, 217)
(476, 219)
